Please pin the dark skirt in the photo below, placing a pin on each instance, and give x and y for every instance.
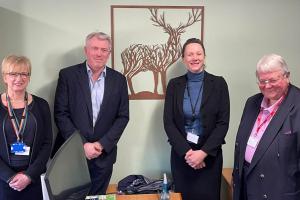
(197, 184)
(32, 191)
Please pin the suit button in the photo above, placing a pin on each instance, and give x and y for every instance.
(265, 196)
(262, 176)
(236, 144)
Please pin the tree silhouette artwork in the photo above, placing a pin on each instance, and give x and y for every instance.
(156, 58)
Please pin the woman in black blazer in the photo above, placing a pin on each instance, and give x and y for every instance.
(196, 119)
(25, 134)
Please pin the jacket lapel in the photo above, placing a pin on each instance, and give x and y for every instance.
(83, 80)
(181, 84)
(246, 128)
(207, 88)
(272, 130)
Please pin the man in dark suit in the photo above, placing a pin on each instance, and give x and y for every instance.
(93, 98)
(267, 148)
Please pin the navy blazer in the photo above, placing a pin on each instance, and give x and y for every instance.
(274, 172)
(215, 109)
(73, 109)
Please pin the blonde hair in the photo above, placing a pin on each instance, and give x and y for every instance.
(14, 63)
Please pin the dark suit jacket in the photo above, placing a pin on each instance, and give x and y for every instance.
(41, 147)
(73, 109)
(214, 111)
(274, 172)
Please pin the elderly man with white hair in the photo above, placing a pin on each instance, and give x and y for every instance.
(267, 147)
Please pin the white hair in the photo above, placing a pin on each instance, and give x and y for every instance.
(271, 62)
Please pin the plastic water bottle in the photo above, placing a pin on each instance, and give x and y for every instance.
(165, 193)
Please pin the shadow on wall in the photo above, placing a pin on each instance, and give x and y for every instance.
(159, 140)
(11, 32)
(53, 63)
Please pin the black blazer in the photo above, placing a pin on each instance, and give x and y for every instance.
(214, 109)
(274, 172)
(41, 147)
(73, 109)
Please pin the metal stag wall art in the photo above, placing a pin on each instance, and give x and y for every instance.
(154, 58)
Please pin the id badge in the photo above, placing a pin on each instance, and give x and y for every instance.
(192, 137)
(252, 142)
(19, 148)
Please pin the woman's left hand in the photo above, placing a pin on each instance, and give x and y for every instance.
(19, 182)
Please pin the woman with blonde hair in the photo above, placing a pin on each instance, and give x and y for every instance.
(25, 134)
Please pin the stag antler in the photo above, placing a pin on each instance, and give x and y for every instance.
(159, 21)
(193, 18)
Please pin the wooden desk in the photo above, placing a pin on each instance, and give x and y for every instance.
(173, 196)
(112, 188)
(227, 175)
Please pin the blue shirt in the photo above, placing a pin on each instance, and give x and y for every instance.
(97, 91)
(193, 91)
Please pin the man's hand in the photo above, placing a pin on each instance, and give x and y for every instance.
(92, 150)
(195, 159)
(19, 182)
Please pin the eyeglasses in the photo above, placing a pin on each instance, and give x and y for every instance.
(271, 81)
(16, 74)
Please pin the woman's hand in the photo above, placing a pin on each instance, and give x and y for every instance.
(19, 182)
(195, 159)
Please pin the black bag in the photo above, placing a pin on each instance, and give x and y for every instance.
(139, 184)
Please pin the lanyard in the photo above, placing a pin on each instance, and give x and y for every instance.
(269, 117)
(194, 106)
(19, 127)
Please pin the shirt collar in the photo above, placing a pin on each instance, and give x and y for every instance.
(264, 104)
(89, 71)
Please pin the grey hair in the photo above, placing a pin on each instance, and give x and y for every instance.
(271, 62)
(98, 35)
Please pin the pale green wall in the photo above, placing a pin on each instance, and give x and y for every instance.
(237, 34)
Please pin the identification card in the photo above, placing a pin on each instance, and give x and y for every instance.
(25, 153)
(19, 148)
(252, 142)
(192, 137)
